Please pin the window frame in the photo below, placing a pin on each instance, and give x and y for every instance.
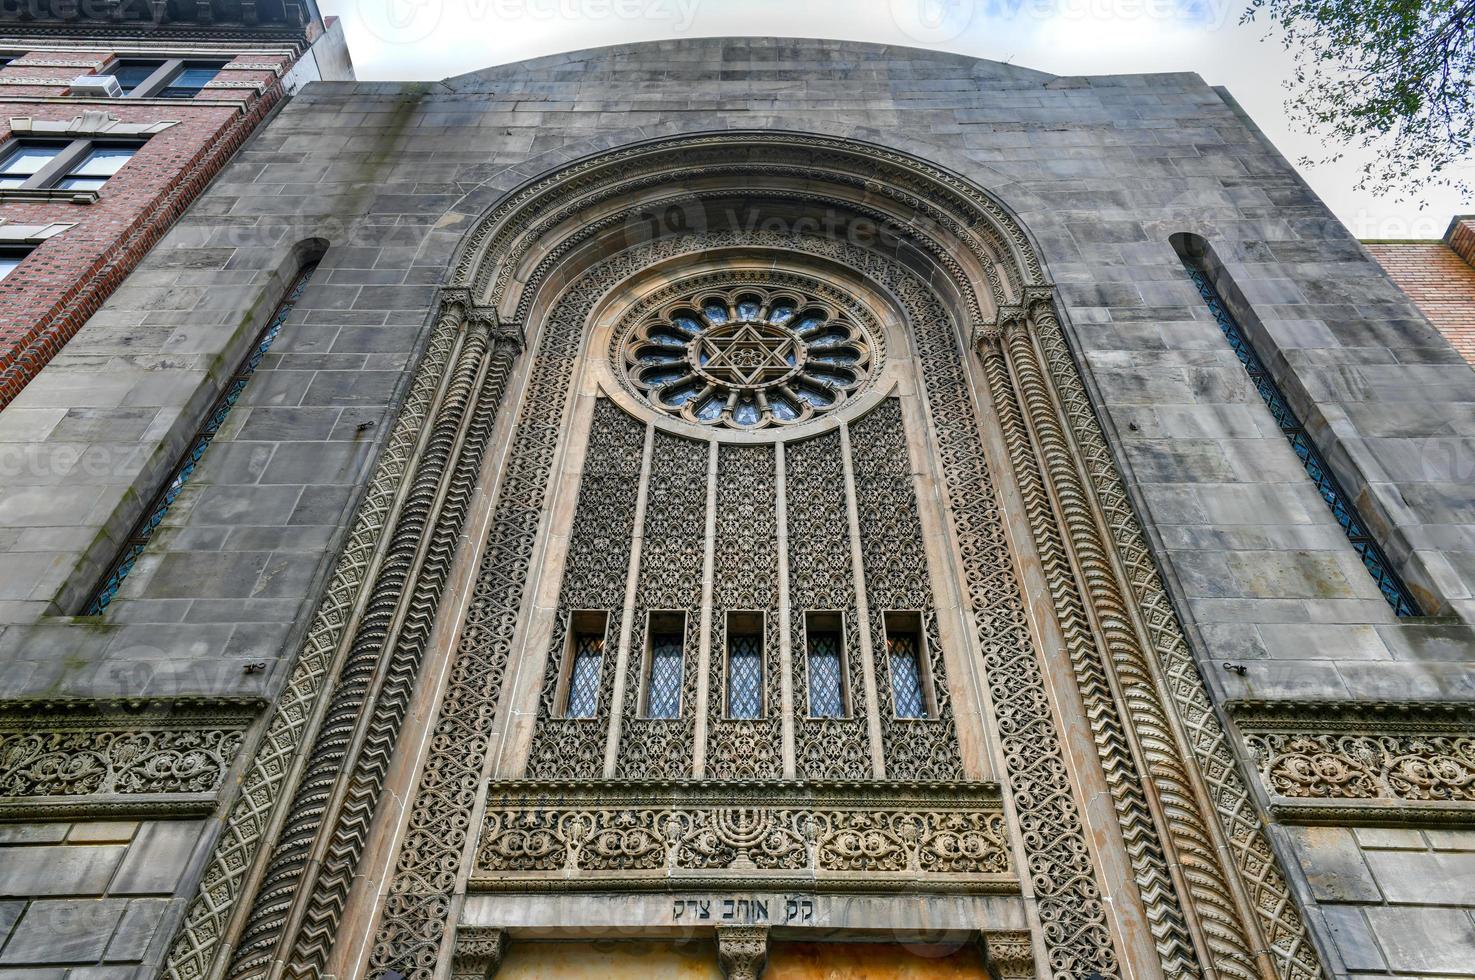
(827, 621)
(749, 623)
(663, 622)
(910, 622)
(71, 154)
(582, 622)
(162, 76)
(20, 252)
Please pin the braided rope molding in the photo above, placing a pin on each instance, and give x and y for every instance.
(315, 788)
(346, 770)
(1182, 687)
(202, 930)
(1125, 676)
(320, 921)
(1150, 867)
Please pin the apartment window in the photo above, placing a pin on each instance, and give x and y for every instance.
(95, 167)
(665, 656)
(585, 660)
(824, 642)
(132, 72)
(163, 78)
(24, 160)
(904, 647)
(81, 165)
(745, 666)
(186, 84)
(10, 258)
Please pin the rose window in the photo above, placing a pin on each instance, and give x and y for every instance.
(748, 358)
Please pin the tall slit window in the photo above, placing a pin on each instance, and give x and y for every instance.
(154, 515)
(585, 658)
(745, 665)
(824, 653)
(1337, 499)
(666, 658)
(904, 662)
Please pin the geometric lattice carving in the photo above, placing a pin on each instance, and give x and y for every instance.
(570, 745)
(670, 581)
(919, 743)
(828, 745)
(745, 570)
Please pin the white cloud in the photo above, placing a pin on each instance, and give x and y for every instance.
(431, 39)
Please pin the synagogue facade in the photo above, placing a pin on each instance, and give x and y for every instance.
(748, 507)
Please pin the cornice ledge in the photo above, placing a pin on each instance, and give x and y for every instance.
(1298, 709)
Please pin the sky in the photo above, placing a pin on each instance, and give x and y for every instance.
(432, 39)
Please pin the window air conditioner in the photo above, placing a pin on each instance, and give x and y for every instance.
(97, 86)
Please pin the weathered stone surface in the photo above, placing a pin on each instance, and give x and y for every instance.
(1100, 170)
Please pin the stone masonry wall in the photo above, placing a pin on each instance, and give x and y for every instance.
(1101, 171)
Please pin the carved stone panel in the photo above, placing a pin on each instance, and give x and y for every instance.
(817, 836)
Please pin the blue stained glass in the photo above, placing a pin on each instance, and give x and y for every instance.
(906, 676)
(583, 685)
(1377, 564)
(716, 313)
(825, 692)
(748, 309)
(663, 699)
(744, 676)
(154, 516)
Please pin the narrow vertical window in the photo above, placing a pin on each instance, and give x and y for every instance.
(1337, 499)
(904, 660)
(585, 660)
(667, 634)
(745, 665)
(214, 419)
(824, 646)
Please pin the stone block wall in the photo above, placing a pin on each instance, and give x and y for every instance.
(1397, 901)
(1101, 171)
(90, 899)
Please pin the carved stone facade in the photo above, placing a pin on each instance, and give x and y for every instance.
(750, 569)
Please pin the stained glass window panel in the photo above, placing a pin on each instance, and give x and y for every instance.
(744, 676)
(583, 684)
(663, 699)
(906, 676)
(826, 698)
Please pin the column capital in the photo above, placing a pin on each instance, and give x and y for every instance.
(742, 951)
(478, 953)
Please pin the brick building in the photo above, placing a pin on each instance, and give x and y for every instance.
(1439, 276)
(111, 126)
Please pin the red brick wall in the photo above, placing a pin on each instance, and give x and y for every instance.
(47, 299)
(1439, 281)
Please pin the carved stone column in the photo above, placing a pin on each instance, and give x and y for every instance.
(479, 953)
(300, 901)
(742, 951)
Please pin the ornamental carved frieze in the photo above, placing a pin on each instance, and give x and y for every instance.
(79, 757)
(624, 836)
(1410, 760)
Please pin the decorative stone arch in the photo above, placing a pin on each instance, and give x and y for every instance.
(1016, 437)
